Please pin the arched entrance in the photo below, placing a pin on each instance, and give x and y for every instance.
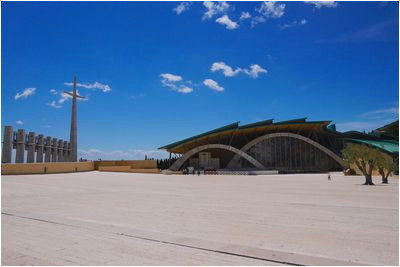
(178, 164)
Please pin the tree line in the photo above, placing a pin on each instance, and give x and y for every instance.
(163, 164)
(367, 159)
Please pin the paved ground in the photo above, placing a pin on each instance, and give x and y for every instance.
(101, 218)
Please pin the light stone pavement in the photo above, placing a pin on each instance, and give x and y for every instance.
(103, 218)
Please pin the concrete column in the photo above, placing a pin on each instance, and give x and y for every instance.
(47, 153)
(20, 145)
(60, 157)
(31, 148)
(7, 145)
(54, 150)
(65, 151)
(39, 148)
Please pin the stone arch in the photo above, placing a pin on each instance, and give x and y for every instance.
(234, 163)
(177, 164)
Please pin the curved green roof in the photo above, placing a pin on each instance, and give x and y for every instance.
(235, 126)
(231, 126)
(389, 146)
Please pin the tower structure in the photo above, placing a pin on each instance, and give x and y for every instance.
(73, 138)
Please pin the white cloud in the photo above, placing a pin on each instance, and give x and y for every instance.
(371, 120)
(185, 90)
(292, 24)
(182, 7)
(96, 85)
(65, 97)
(53, 91)
(271, 9)
(171, 77)
(214, 8)
(268, 9)
(19, 122)
(27, 92)
(225, 20)
(245, 15)
(213, 85)
(320, 4)
(170, 80)
(227, 70)
(380, 113)
(54, 104)
(255, 69)
(95, 154)
(175, 83)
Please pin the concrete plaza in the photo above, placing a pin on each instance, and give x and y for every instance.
(103, 218)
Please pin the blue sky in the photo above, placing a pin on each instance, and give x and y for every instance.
(158, 72)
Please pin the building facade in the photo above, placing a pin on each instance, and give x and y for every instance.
(293, 146)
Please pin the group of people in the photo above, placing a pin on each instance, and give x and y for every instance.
(187, 171)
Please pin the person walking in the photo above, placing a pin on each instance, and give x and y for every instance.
(329, 176)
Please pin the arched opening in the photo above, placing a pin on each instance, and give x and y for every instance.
(210, 152)
(291, 155)
(288, 152)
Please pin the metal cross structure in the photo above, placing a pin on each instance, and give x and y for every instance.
(73, 138)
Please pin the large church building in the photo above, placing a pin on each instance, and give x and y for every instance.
(292, 146)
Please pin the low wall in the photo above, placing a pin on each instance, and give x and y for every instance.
(138, 166)
(46, 167)
(126, 169)
(134, 164)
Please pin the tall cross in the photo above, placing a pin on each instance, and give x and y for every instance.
(73, 138)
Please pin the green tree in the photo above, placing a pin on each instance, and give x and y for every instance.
(365, 158)
(385, 166)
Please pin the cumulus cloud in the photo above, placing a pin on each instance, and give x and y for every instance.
(268, 9)
(26, 93)
(255, 69)
(271, 9)
(96, 85)
(225, 20)
(182, 7)
(95, 154)
(320, 4)
(54, 104)
(213, 85)
(171, 77)
(170, 80)
(244, 15)
(227, 70)
(175, 82)
(53, 91)
(214, 8)
(185, 90)
(19, 122)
